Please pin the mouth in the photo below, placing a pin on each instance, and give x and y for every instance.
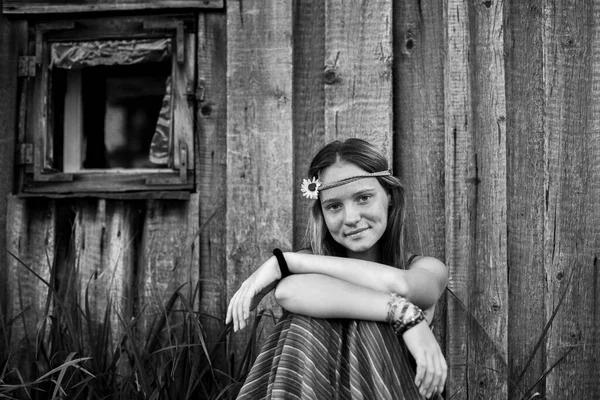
(355, 232)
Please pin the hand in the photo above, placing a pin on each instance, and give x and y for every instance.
(431, 364)
(247, 297)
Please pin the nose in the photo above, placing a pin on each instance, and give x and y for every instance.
(351, 216)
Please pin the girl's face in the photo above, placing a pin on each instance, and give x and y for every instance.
(355, 213)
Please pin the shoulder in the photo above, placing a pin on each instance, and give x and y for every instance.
(305, 251)
(428, 263)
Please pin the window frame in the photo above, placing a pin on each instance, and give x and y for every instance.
(35, 141)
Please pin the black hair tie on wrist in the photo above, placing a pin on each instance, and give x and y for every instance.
(283, 267)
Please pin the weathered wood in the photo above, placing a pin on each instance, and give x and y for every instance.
(358, 71)
(419, 128)
(526, 163)
(571, 48)
(419, 120)
(490, 275)
(260, 177)
(72, 6)
(476, 200)
(183, 110)
(211, 171)
(8, 109)
(168, 258)
(122, 181)
(103, 244)
(308, 99)
(31, 243)
(458, 153)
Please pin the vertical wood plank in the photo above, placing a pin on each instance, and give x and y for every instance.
(308, 99)
(358, 71)
(8, 109)
(31, 238)
(259, 138)
(211, 173)
(419, 41)
(490, 274)
(476, 200)
(571, 42)
(525, 193)
(169, 255)
(459, 168)
(419, 120)
(183, 113)
(102, 271)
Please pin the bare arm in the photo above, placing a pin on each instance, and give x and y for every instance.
(323, 296)
(422, 284)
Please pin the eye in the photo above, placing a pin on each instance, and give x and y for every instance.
(364, 198)
(334, 206)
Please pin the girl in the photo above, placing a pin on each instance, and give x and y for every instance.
(353, 302)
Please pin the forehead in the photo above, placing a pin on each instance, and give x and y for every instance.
(341, 170)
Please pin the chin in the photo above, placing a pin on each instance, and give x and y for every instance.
(358, 247)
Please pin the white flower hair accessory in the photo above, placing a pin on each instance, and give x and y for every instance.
(310, 188)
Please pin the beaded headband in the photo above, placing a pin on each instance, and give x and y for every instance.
(310, 187)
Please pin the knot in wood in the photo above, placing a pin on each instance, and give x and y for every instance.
(330, 76)
(487, 3)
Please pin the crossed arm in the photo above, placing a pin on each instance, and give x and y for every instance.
(334, 287)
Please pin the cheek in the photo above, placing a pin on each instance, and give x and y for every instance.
(332, 223)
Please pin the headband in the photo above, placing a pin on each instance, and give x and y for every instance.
(310, 188)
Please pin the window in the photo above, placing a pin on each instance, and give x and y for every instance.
(109, 106)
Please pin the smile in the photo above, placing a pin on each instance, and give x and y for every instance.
(356, 232)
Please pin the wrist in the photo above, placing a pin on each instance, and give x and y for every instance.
(284, 270)
(275, 268)
(402, 314)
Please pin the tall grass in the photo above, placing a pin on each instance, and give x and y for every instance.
(75, 356)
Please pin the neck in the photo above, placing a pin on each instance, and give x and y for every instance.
(373, 254)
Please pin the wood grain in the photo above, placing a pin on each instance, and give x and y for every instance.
(526, 160)
(571, 43)
(9, 107)
(358, 71)
(169, 256)
(104, 252)
(31, 241)
(259, 139)
(69, 6)
(211, 170)
(308, 99)
(419, 129)
(476, 200)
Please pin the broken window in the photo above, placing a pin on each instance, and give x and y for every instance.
(107, 112)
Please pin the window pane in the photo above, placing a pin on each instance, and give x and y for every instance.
(111, 115)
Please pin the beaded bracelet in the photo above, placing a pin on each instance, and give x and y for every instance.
(410, 315)
(283, 267)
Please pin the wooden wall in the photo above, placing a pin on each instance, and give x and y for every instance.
(489, 112)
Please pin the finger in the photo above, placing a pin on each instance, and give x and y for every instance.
(242, 313)
(420, 373)
(436, 374)
(229, 316)
(235, 310)
(444, 367)
(426, 384)
(246, 305)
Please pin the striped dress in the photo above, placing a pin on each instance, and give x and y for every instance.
(332, 359)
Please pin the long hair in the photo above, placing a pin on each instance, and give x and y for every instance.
(367, 157)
